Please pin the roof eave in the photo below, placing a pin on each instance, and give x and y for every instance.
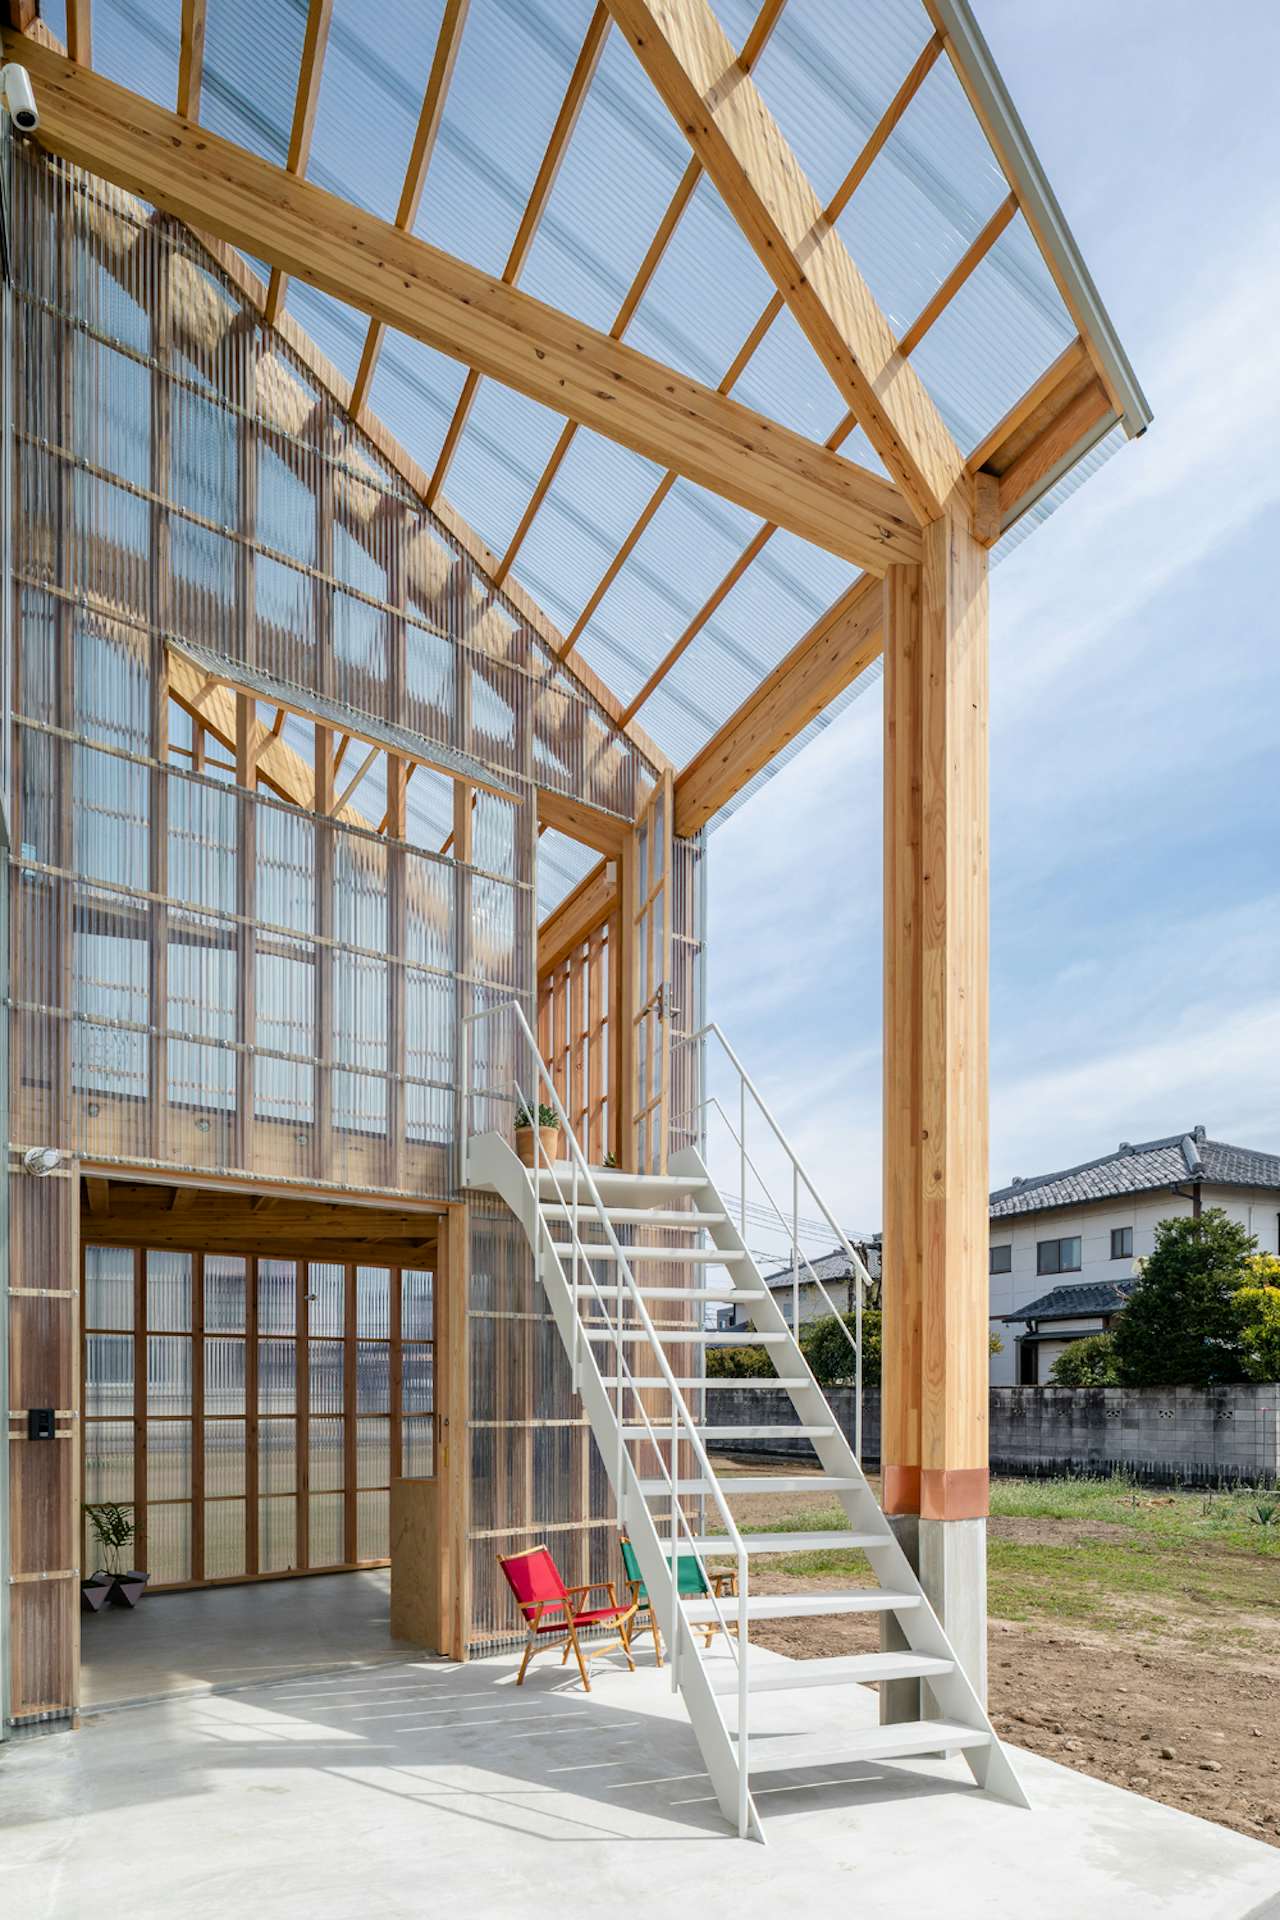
(990, 99)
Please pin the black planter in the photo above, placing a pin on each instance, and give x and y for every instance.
(95, 1592)
(127, 1588)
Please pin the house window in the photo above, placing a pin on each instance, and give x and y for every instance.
(1122, 1243)
(1002, 1258)
(1058, 1256)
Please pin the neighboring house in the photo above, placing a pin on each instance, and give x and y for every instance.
(834, 1270)
(1063, 1245)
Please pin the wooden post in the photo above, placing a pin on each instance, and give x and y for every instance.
(452, 1461)
(935, 1076)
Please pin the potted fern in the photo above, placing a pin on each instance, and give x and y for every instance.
(547, 1128)
(114, 1530)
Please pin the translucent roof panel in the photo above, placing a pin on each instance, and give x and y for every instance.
(562, 864)
(338, 330)
(135, 43)
(371, 92)
(498, 460)
(513, 66)
(252, 56)
(590, 508)
(585, 256)
(415, 390)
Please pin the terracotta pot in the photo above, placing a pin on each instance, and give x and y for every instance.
(548, 1144)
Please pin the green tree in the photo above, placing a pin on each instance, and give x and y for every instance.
(1257, 1306)
(740, 1363)
(830, 1352)
(1087, 1363)
(1180, 1326)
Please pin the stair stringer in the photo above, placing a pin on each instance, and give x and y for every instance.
(924, 1633)
(493, 1166)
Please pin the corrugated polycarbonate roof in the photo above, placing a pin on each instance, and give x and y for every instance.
(828, 73)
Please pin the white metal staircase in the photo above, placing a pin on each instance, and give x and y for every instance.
(617, 1331)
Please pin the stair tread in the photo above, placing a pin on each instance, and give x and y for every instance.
(800, 1606)
(703, 1339)
(720, 1543)
(851, 1669)
(731, 1483)
(629, 1216)
(657, 1380)
(613, 1291)
(767, 1754)
(733, 1433)
(616, 1180)
(693, 1256)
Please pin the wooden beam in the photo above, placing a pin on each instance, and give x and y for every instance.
(448, 40)
(80, 31)
(314, 41)
(579, 820)
(466, 314)
(1081, 422)
(22, 15)
(99, 1196)
(579, 914)
(580, 79)
(191, 58)
(683, 49)
(836, 649)
(936, 1030)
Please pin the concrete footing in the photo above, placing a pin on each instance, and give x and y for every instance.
(950, 1557)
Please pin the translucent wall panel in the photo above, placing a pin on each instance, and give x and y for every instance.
(169, 1544)
(373, 1519)
(224, 1539)
(108, 1287)
(278, 1534)
(224, 1456)
(108, 1462)
(326, 1518)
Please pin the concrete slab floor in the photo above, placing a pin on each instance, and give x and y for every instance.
(424, 1788)
(176, 1643)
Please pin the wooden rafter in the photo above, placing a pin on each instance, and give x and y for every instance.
(80, 31)
(464, 313)
(307, 100)
(683, 49)
(448, 42)
(580, 79)
(752, 47)
(836, 649)
(592, 901)
(835, 207)
(191, 58)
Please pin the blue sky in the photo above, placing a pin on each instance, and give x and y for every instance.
(1135, 674)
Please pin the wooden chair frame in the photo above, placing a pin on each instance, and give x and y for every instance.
(722, 1586)
(536, 1640)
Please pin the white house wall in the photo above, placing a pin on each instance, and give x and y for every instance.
(1258, 1209)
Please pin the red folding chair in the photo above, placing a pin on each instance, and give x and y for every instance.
(549, 1607)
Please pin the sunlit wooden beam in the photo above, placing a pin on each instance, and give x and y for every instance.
(80, 31)
(549, 356)
(683, 49)
(191, 58)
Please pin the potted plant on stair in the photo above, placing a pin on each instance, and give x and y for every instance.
(547, 1131)
(113, 1526)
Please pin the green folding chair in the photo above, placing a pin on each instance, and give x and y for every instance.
(691, 1584)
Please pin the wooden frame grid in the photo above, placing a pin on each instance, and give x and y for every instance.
(293, 1356)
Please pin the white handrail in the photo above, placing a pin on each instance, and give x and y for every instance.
(746, 1085)
(681, 1418)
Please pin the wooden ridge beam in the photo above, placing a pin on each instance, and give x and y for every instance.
(684, 51)
(451, 306)
(579, 914)
(580, 79)
(837, 648)
(314, 41)
(191, 58)
(448, 40)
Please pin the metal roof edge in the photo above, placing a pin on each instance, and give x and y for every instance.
(990, 98)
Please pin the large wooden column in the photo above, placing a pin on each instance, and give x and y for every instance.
(934, 1445)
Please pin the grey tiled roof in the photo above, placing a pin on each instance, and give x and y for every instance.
(1140, 1169)
(1069, 1303)
(828, 1267)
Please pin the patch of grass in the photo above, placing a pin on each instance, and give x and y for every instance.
(1225, 1519)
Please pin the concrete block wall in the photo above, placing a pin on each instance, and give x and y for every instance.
(1167, 1435)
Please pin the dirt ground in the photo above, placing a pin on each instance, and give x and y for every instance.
(1149, 1659)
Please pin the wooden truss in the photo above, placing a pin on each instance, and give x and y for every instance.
(594, 379)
